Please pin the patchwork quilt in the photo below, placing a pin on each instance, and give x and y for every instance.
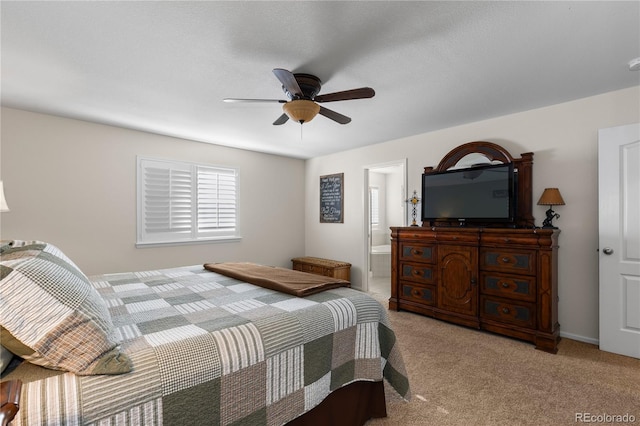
(208, 349)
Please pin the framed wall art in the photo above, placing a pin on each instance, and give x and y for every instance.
(332, 198)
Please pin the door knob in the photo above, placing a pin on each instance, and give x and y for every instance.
(608, 251)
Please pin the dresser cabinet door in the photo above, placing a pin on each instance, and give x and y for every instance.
(457, 269)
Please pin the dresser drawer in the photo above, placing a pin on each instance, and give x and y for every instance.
(457, 237)
(417, 252)
(506, 260)
(521, 287)
(418, 293)
(500, 239)
(417, 272)
(503, 310)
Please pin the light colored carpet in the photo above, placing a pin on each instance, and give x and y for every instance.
(462, 376)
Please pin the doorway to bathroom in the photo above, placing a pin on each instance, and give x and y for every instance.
(385, 206)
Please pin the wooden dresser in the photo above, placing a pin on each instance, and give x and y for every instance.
(502, 280)
(326, 267)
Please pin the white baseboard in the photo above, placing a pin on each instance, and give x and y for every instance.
(580, 338)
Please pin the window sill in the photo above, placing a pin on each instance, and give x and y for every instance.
(230, 239)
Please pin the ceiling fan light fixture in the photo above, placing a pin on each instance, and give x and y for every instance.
(301, 110)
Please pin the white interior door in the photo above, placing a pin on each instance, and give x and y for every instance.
(619, 246)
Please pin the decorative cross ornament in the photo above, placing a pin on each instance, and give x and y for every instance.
(414, 200)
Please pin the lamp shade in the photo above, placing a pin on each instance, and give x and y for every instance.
(301, 110)
(551, 197)
(3, 201)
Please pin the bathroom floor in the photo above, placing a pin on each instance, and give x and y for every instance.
(380, 286)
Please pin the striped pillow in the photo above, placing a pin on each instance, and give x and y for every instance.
(51, 315)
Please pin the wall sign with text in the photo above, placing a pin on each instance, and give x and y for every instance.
(332, 198)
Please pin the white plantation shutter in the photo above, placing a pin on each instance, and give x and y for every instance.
(216, 200)
(167, 202)
(181, 202)
(374, 205)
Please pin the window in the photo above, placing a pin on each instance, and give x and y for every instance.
(185, 202)
(374, 206)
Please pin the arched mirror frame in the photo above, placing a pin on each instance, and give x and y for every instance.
(495, 153)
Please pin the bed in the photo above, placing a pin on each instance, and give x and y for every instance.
(188, 346)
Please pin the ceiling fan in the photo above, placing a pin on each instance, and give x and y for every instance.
(302, 91)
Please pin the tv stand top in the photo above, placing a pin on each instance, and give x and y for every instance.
(476, 234)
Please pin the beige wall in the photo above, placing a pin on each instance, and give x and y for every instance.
(563, 139)
(73, 183)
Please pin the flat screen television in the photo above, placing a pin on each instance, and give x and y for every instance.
(483, 193)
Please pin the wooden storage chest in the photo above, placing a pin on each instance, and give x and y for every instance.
(326, 267)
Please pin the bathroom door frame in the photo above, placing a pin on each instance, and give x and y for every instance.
(402, 163)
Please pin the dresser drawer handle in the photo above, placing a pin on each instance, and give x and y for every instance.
(417, 252)
(505, 285)
(416, 292)
(505, 260)
(417, 272)
(505, 310)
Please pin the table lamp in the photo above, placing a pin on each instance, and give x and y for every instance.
(550, 197)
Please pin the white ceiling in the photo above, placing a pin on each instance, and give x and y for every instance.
(164, 67)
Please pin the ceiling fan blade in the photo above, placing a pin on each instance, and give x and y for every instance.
(281, 120)
(289, 81)
(280, 101)
(361, 93)
(339, 118)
